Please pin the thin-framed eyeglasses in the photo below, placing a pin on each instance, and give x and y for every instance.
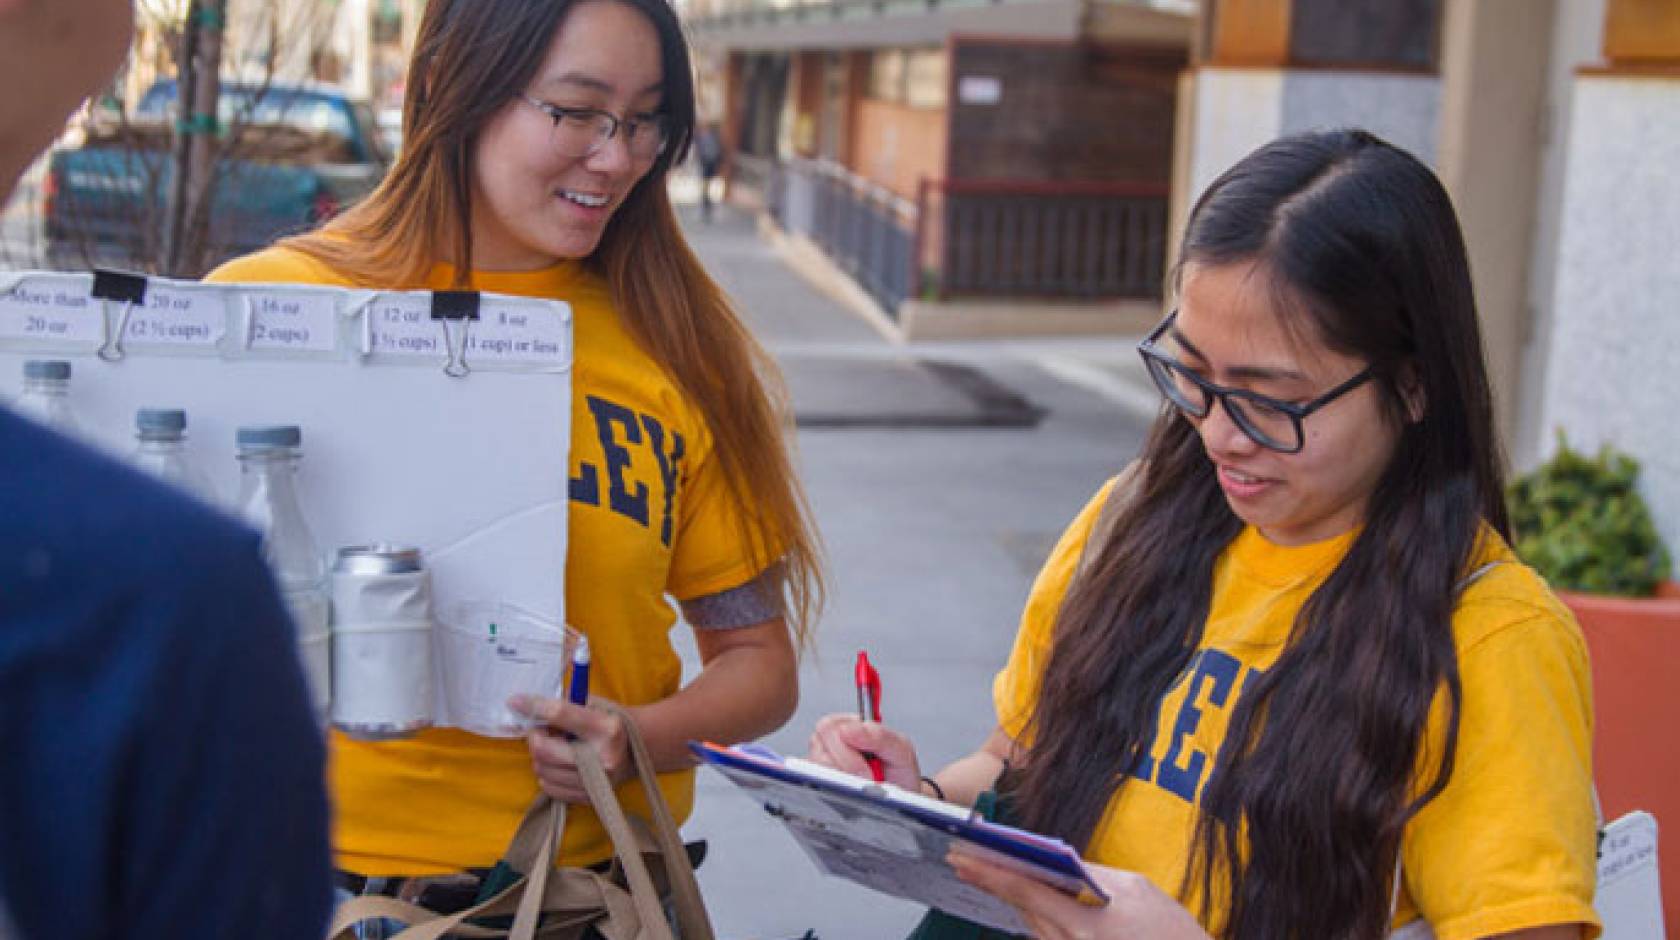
(1269, 422)
(582, 132)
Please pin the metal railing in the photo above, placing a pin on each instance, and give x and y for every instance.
(971, 238)
(867, 230)
(1011, 238)
(722, 14)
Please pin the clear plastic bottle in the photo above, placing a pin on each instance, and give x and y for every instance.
(268, 459)
(46, 395)
(162, 450)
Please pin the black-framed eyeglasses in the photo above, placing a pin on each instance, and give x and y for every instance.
(582, 132)
(1273, 424)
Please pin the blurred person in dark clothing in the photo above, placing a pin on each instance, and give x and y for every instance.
(708, 149)
(162, 771)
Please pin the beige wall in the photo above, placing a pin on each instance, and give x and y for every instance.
(897, 146)
(1494, 55)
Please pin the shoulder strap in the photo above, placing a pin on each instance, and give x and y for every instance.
(571, 895)
(1120, 495)
(692, 920)
(1473, 577)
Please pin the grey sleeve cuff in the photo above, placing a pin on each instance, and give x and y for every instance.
(752, 603)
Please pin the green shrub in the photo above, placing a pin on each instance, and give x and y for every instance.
(1582, 525)
(930, 284)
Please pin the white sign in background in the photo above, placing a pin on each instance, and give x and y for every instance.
(979, 89)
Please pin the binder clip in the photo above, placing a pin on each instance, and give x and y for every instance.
(458, 307)
(122, 287)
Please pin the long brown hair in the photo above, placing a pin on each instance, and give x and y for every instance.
(471, 58)
(1300, 821)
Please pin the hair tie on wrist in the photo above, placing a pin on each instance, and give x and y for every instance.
(938, 790)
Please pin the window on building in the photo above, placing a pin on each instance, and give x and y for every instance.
(886, 75)
(926, 78)
(1366, 32)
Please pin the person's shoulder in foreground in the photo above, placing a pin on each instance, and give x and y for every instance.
(163, 771)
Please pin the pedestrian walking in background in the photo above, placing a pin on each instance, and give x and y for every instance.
(541, 135)
(160, 765)
(1281, 678)
(708, 149)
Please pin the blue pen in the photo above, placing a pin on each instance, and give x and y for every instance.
(577, 690)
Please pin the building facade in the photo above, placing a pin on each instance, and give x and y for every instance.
(950, 154)
(1020, 150)
(1555, 125)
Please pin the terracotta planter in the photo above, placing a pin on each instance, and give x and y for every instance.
(1635, 649)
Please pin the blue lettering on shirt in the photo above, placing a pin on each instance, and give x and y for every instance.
(624, 434)
(586, 486)
(1218, 670)
(668, 464)
(610, 415)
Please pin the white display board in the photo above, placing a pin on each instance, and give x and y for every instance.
(439, 420)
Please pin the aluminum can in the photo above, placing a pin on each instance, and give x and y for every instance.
(382, 642)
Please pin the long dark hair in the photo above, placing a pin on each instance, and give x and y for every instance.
(1322, 765)
(470, 59)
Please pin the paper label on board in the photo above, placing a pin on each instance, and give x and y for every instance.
(169, 317)
(48, 313)
(402, 325)
(293, 322)
(1629, 847)
(518, 333)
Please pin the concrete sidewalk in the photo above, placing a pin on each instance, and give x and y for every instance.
(933, 534)
(838, 362)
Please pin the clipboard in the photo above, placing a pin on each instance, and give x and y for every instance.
(1629, 896)
(895, 841)
(440, 420)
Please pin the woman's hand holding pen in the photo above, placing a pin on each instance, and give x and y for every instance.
(1136, 908)
(551, 744)
(841, 741)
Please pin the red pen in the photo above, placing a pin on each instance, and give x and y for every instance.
(869, 684)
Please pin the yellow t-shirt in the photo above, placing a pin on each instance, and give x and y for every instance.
(1509, 844)
(650, 515)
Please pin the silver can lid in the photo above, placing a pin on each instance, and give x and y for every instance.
(378, 558)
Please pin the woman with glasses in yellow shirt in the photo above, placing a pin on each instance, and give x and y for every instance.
(538, 135)
(1293, 682)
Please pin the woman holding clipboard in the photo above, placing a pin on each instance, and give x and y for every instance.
(1299, 686)
(538, 135)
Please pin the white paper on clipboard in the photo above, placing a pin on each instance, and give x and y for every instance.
(1629, 898)
(895, 841)
(471, 468)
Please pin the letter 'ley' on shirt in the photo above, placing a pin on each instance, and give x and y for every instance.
(650, 516)
(1508, 845)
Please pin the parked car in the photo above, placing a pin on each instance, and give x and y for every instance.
(298, 155)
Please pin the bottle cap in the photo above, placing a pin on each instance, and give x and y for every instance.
(160, 423)
(46, 369)
(269, 435)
